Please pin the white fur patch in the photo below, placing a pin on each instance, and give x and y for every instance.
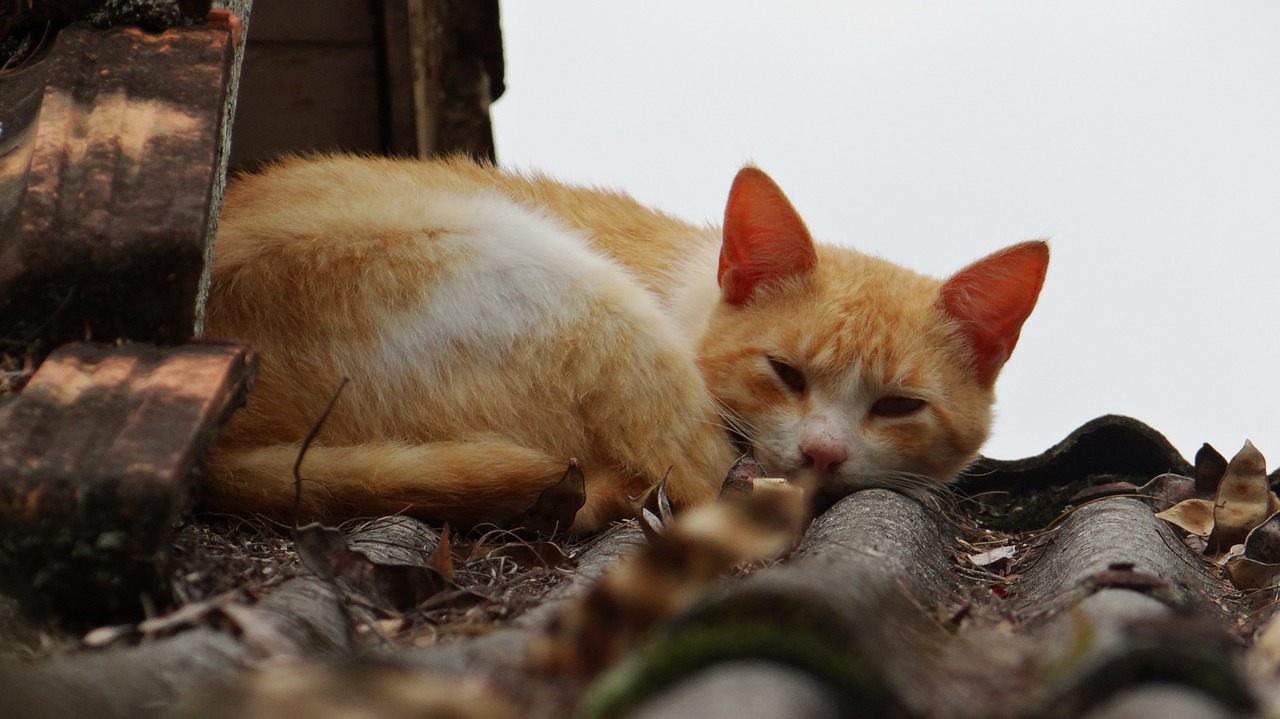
(694, 293)
(513, 274)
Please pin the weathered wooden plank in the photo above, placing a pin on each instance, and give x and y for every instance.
(97, 461)
(444, 66)
(111, 238)
(348, 22)
(301, 98)
(20, 92)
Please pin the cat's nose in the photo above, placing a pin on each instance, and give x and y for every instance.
(823, 454)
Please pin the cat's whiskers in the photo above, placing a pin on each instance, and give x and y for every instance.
(917, 485)
(735, 424)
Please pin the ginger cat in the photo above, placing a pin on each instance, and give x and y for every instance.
(495, 325)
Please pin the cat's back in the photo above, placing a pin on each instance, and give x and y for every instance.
(362, 198)
(414, 278)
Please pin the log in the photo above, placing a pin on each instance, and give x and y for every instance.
(110, 242)
(303, 617)
(98, 461)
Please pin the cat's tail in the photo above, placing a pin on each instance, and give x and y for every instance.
(463, 483)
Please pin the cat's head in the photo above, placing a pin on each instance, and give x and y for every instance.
(845, 371)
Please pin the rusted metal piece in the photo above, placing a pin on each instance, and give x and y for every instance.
(110, 242)
(98, 460)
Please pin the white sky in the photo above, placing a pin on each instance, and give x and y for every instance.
(1142, 138)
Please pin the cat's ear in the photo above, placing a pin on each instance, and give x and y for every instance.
(764, 238)
(990, 300)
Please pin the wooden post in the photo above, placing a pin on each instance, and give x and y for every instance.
(444, 66)
(97, 461)
(111, 238)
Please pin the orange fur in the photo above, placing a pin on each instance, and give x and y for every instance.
(495, 325)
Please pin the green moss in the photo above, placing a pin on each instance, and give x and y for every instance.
(823, 655)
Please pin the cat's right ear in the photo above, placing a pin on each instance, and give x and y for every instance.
(765, 240)
(990, 299)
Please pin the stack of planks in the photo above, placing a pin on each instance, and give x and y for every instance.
(102, 263)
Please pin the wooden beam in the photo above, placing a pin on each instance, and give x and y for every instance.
(111, 239)
(98, 458)
(444, 66)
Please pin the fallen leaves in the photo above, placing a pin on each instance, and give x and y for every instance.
(1240, 526)
(1244, 500)
(387, 586)
(1193, 516)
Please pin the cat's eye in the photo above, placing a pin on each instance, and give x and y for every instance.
(896, 406)
(790, 376)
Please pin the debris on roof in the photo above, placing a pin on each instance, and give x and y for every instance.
(889, 605)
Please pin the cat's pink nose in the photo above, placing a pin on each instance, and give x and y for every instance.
(823, 454)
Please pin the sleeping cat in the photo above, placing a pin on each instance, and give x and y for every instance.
(495, 325)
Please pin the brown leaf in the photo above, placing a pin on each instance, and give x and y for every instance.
(742, 476)
(440, 558)
(1243, 497)
(1263, 542)
(554, 510)
(1166, 490)
(1210, 466)
(1194, 516)
(1246, 573)
(390, 587)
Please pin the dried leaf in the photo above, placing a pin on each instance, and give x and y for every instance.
(765, 524)
(1194, 516)
(1166, 490)
(440, 558)
(672, 571)
(992, 556)
(1210, 467)
(554, 510)
(1243, 497)
(391, 587)
(742, 476)
(1263, 543)
(1246, 573)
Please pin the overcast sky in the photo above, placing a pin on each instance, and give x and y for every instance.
(1141, 138)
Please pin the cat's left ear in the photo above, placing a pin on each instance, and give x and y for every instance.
(764, 238)
(990, 300)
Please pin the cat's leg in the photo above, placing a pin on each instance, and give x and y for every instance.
(464, 483)
(652, 416)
